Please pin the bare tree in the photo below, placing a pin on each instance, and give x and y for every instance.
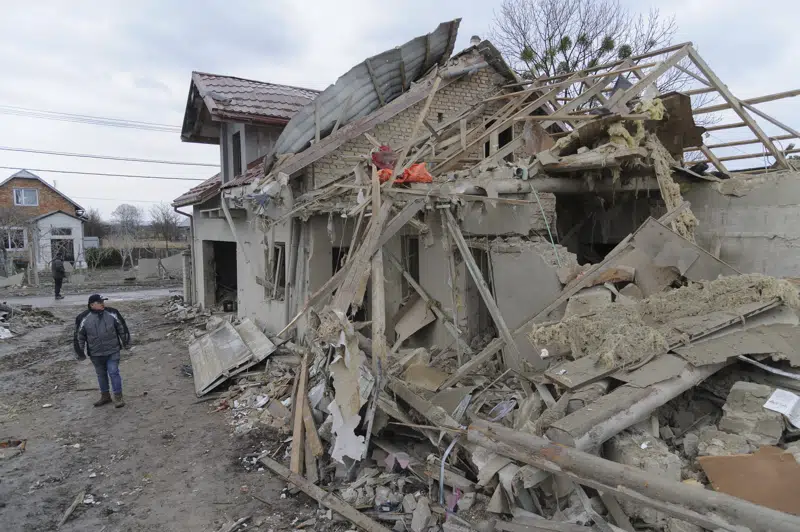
(15, 231)
(165, 222)
(94, 225)
(544, 38)
(127, 225)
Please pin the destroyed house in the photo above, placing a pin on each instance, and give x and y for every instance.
(531, 290)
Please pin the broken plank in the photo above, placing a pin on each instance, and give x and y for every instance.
(401, 219)
(351, 292)
(329, 500)
(437, 415)
(312, 472)
(616, 512)
(297, 433)
(75, 502)
(312, 436)
(399, 166)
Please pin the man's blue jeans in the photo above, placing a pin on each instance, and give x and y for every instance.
(105, 367)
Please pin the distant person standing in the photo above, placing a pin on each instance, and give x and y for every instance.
(58, 274)
(101, 333)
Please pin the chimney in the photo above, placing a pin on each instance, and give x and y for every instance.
(475, 40)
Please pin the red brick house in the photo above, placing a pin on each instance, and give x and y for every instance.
(35, 215)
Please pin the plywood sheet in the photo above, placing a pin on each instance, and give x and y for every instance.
(769, 477)
(577, 373)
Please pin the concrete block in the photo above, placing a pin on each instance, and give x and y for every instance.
(649, 454)
(745, 415)
(713, 442)
(587, 301)
(173, 264)
(147, 269)
(691, 442)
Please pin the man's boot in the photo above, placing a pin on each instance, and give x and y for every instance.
(105, 398)
(119, 402)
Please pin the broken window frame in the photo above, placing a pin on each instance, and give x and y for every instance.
(275, 288)
(61, 231)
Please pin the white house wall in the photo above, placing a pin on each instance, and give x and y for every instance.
(44, 252)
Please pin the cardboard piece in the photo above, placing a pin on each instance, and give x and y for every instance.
(769, 477)
(416, 315)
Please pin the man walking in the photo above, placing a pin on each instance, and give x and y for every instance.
(58, 274)
(100, 333)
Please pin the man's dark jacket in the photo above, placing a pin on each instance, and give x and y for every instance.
(58, 269)
(103, 333)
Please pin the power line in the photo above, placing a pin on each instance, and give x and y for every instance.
(118, 199)
(106, 157)
(88, 119)
(134, 176)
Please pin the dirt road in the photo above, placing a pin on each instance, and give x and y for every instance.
(161, 463)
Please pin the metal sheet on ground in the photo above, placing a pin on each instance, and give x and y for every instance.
(215, 355)
(258, 343)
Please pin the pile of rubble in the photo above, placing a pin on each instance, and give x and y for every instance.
(640, 396)
(655, 391)
(191, 321)
(15, 321)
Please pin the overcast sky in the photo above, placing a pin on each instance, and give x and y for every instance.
(133, 60)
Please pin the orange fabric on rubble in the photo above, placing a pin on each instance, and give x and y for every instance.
(416, 173)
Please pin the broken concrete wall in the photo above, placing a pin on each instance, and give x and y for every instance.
(485, 218)
(251, 296)
(753, 222)
(525, 281)
(327, 241)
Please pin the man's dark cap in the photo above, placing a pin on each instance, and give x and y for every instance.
(96, 298)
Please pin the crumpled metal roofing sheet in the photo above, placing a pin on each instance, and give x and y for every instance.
(236, 97)
(392, 68)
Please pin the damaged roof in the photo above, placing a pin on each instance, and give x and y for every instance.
(368, 86)
(228, 98)
(200, 193)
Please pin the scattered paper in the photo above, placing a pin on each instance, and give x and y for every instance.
(46, 405)
(785, 403)
(645, 445)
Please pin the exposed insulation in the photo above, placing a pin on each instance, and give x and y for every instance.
(721, 294)
(670, 191)
(617, 336)
(621, 335)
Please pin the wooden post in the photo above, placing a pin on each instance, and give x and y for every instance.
(297, 433)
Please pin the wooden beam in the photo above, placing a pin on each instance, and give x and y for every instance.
(513, 358)
(312, 436)
(737, 107)
(399, 165)
(714, 159)
(405, 215)
(720, 127)
(741, 142)
(427, 54)
(747, 156)
(434, 305)
(568, 118)
(327, 499)
(750, 101)
(432, 130)
(462, 128)
(375, 85)
(771, 120)
(693, 75)
(622, 97)
(695, 92)
(586, 96)
(379, 348)
(615, 63)
(297, 433)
